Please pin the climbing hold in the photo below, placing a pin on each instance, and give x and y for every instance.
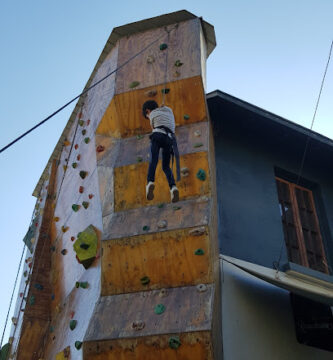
(139, 159)
(100, 148)
(84, 131)
(64, 228)
(51, 329)
(145, 280)
(165, 91)
(32, 300)
(5, 351)
(80, 115)
(186, 117)
(201, 287)
(86, 256)
(39, 286)
(199, 252)
(52, 248)
(56, 219)
(21, 294)
(138, 325)
(81, 122)
(63, 251)
(66, 143)
(72, 314)
(78, 345)
(184, 172)
(176, 73)
(160, 206)
(87, 140)
(83, 174)
(197, 145)
(81, 189)
(78, 157)
(163, 46)
(197, 231)
(174, 342)
(176, 207)
(75, 207)
(84, 246)
(52, 297)
(134, 84)
(14, 320)
(201, 175)
(145, 228)
(85, 204)
(90, 196)
(159, 309)
(88, 122)
(151, 93)
(162, 224)
(139, 137)
(72, 324)
(163, 293)
(74, 165)
(178, 63)
(72, 238)
(76, 146)
(150, 59)
(64, 167)
(197, 133)
(83, 284)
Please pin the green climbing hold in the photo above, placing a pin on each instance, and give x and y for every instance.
(84, 131)
(139, 137)
(163, 46)
(32, 300)
(178, 63)
(199, 252)
(174, 342)
(201, 175)
(74, 165)
(25, 274)
(87, 140)
(81, 122)
(84, 246)
(139, 159)
(75, 207)
(83, 174)
(84, 284)
(145, 228)
(5, 351)
(186, 117)
(197, 145)
(176, 207)
(159, 309)
(72, 324)
(165, 91)
(85, 204)
(77, 284)
(145, 280)
(160, 206)
(134, 84)
(78, 345)
(51, 329)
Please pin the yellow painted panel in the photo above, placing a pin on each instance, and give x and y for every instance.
(130, 182)
(194, 346)
(167, 258)
(123, 117)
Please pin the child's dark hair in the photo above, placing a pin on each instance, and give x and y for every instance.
(149, 105)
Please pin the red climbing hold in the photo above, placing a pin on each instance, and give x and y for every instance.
(76, 146)
(90, 196)
(100, 148)
(78, 157)
(81, 189)
(72, 238)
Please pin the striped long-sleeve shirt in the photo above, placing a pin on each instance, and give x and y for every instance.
(162, 116)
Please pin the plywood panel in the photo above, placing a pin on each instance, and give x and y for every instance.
(194, 346)
(130, 183)
(167, 258)
(123, 117)
(185, 310)
(183, 45)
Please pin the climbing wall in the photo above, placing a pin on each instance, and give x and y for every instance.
(159, 260)
(111, 275)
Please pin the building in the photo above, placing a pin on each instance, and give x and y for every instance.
(111, 275)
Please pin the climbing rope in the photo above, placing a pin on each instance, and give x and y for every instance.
(84, 92)
(166, 66)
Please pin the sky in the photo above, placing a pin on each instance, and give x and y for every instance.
(270, 53)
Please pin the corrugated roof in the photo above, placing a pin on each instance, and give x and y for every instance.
(116, 34)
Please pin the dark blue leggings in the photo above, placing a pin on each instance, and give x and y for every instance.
(160, 141)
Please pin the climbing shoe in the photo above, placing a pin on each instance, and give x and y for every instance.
(150, 190)
(174, 194)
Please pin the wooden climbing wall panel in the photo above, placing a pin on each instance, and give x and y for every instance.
(123, 117)
(130, 182)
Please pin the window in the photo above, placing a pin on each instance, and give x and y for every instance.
(300, 226)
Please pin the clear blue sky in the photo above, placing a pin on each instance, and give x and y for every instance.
(269, 53)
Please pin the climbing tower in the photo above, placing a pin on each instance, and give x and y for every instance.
(130, 278)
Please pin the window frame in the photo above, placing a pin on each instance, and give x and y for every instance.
(298, 224)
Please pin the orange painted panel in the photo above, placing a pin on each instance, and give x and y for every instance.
(123, 117)
(130, 182)
(194, 346)
(167, 258)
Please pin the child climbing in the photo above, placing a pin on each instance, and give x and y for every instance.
(163, 137)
